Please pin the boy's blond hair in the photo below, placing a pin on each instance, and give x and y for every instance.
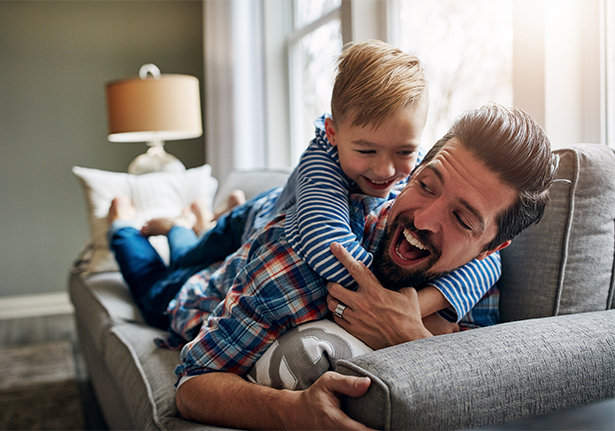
(374, 80)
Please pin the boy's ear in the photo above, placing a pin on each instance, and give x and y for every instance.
(487, 253)
(330, 131)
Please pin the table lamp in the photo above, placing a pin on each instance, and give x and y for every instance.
(154, 108)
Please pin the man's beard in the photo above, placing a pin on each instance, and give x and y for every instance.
(394, 277)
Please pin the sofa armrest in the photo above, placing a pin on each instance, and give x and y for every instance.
(487, 376)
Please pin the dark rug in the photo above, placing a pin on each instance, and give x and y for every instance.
(39, 389)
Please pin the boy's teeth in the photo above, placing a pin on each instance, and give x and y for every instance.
(412, 240)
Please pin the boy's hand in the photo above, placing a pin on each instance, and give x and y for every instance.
(377, 316)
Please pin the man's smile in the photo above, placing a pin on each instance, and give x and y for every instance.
(411, 247)
(419, 249)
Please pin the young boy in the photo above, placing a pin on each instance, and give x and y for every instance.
(370, 145)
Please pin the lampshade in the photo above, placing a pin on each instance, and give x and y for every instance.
(154, 108)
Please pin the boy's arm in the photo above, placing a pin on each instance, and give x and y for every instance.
(465, 286)
(321, 216)
(431, 300)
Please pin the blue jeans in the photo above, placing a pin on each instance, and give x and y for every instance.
(152, 283)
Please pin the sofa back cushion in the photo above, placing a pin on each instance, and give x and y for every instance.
(564, 264)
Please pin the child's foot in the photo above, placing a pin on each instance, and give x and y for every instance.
(162, 225)
(204, 216)
(237, 197)
(121, 209)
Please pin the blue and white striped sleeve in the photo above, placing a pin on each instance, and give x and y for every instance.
(465, 286)
(321, 216)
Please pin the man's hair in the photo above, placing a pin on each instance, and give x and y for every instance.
(375, 80)
(511, 144)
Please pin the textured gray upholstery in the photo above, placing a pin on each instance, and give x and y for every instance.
(489, 375)
(564, 264)
(515, 370)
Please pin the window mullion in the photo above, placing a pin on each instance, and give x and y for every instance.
(298, 34)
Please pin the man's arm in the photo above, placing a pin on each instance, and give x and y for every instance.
(377, 316)
(225, 399)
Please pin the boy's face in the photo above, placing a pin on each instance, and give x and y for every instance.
(377, 159)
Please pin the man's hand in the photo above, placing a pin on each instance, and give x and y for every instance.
(377, 316)
(228, 400)
(322, 404)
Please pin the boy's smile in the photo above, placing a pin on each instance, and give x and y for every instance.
(377, 158)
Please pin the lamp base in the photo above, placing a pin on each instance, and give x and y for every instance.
(155, 159)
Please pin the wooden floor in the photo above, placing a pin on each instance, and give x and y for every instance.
(41, 355)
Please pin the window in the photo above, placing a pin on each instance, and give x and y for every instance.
(467, 51)
(609, 72)
(314, 45)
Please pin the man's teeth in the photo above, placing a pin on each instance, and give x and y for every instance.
(412, 240)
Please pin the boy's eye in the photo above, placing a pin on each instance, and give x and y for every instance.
(406, 153)
(366, 151)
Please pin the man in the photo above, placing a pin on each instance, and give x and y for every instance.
(480, 185)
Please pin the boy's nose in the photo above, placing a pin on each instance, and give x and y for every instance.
(384, 169)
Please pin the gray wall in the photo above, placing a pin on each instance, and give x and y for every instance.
(55, 57)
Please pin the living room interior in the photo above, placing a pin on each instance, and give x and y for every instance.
(265, 70)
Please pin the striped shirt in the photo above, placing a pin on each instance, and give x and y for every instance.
(316, 200)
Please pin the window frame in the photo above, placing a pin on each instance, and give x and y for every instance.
(295, 93)
(360, 20)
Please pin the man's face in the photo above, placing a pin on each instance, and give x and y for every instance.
(443, 219)
(377, 159)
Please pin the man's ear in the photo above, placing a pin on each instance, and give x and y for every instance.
(330, 131)
(488, 253)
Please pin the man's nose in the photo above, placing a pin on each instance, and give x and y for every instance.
(428, 217)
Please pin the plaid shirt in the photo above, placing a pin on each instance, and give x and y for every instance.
(256, 295)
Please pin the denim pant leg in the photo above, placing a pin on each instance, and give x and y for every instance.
(180, 241)
(219, 242)
(151, 282)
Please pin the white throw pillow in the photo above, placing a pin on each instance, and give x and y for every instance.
(159, 194)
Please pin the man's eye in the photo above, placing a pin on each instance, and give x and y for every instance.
(424, 187)
(461, 222)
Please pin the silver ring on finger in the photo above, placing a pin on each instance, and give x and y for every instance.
(339, 310)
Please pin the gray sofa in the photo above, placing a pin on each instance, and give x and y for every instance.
(554, 350)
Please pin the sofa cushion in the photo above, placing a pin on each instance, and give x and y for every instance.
(159, 194)
(486, 376)
(564, 264)
(100, 301)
